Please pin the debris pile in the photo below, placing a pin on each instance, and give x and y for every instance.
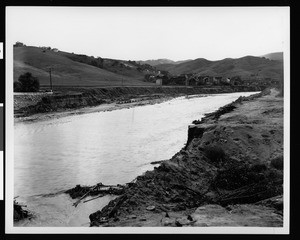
(98, 190)
(19, 212)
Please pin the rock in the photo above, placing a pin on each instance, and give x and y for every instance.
(167, 215)
(132, 216)
(202, 225)
(275, 202)
(103, 220)
(189, 217)
(228, 208)
(201, 208)
(168, 222)
(142, 219)
(150, 208)
(179, 222)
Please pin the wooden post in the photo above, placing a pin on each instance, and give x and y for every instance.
(186, 86)
(50, 79)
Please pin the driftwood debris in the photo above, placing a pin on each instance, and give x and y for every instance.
(77, 202)
(82, 192)
(157, 162)
(93, 198)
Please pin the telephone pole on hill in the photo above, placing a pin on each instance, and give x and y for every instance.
(50, 79)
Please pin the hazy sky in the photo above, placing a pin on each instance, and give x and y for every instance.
(151, 33)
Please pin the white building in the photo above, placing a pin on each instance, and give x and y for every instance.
(158, 81)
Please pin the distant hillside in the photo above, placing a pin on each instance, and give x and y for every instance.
(277, 56)
(77, 70)
(245, 67)
(161, 61)
(72, 69)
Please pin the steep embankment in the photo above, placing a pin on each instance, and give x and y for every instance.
(28, 104)
(229, 174)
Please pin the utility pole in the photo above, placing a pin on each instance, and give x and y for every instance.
(50, 79)
(186, 86)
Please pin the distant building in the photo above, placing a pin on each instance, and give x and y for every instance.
(19, 44)
(217, 80)
(207, 80)
(236, 80)
(55, 50)
(159, 81)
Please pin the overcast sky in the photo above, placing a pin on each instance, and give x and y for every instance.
(152, 33)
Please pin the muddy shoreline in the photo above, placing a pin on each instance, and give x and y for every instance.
(37, 107)
(229, 174)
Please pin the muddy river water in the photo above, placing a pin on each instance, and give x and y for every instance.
(109, 147)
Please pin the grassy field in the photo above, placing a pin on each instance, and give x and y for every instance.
(68, 72)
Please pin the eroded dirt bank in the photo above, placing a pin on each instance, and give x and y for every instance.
(63, 100)
(229, 174)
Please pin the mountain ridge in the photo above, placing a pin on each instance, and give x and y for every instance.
(81, 70)
(155, 62)
(245, 67)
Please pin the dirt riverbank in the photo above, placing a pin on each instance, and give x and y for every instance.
(229, 174)
(64, 102)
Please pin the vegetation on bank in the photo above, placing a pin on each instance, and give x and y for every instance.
(27, 83)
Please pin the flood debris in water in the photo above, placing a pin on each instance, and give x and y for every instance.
(20, 212)
(98, 190)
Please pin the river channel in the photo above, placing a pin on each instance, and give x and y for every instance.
(109, 147)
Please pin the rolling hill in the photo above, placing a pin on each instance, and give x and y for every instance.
(71, 69)
(76, 70)
(245, 67)
(162, 61)
(277, 56)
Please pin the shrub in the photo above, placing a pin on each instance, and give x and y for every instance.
(258, 167)
(27, 83)
(233, 177)
(277, 163)
(214, 153)
(17, 87)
